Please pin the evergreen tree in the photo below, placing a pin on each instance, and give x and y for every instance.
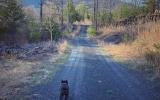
(150, 5)
(11, 15)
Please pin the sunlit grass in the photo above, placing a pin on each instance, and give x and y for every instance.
(148, 36)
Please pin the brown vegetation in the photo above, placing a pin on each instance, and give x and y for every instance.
(18, 75)
(142, 45)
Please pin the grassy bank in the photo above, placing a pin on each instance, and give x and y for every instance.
(140, 45)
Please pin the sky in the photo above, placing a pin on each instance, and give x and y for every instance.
(31, 2)
(36, 3)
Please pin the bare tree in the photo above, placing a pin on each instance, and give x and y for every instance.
(95, 13)
(41, 10)
(137, 2)
(62, 3)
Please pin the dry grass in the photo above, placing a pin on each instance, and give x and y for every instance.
(104, 31)
(13, 76)
(119, 51)
(62, 46)
(18, 75)
(145, 40)
(148, 35)
(85, 22)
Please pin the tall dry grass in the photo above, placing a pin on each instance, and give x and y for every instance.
(62, 46)
(103, 31)
(145, 47)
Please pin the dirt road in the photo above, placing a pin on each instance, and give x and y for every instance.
(94, 76)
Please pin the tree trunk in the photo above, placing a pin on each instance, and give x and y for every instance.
(41, 10)
(62, 15)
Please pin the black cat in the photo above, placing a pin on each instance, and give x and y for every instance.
(64, 90)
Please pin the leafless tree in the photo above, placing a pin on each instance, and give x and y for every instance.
(41, 10)
(62, 3)
(137, 2)
(95, 13)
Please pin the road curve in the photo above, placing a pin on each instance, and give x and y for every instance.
(94, 76)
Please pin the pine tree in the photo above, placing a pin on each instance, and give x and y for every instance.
(11, 15)
(150, 5)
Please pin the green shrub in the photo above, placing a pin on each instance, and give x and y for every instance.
(67, 31)
(35, 37)
(35, 29)
(56, 31)
(52, 26)
(11, 15)
(91, 31)
(126, 37)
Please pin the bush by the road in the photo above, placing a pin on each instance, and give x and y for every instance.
(91, 31)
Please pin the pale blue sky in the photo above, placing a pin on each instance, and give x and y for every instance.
(31, 2)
